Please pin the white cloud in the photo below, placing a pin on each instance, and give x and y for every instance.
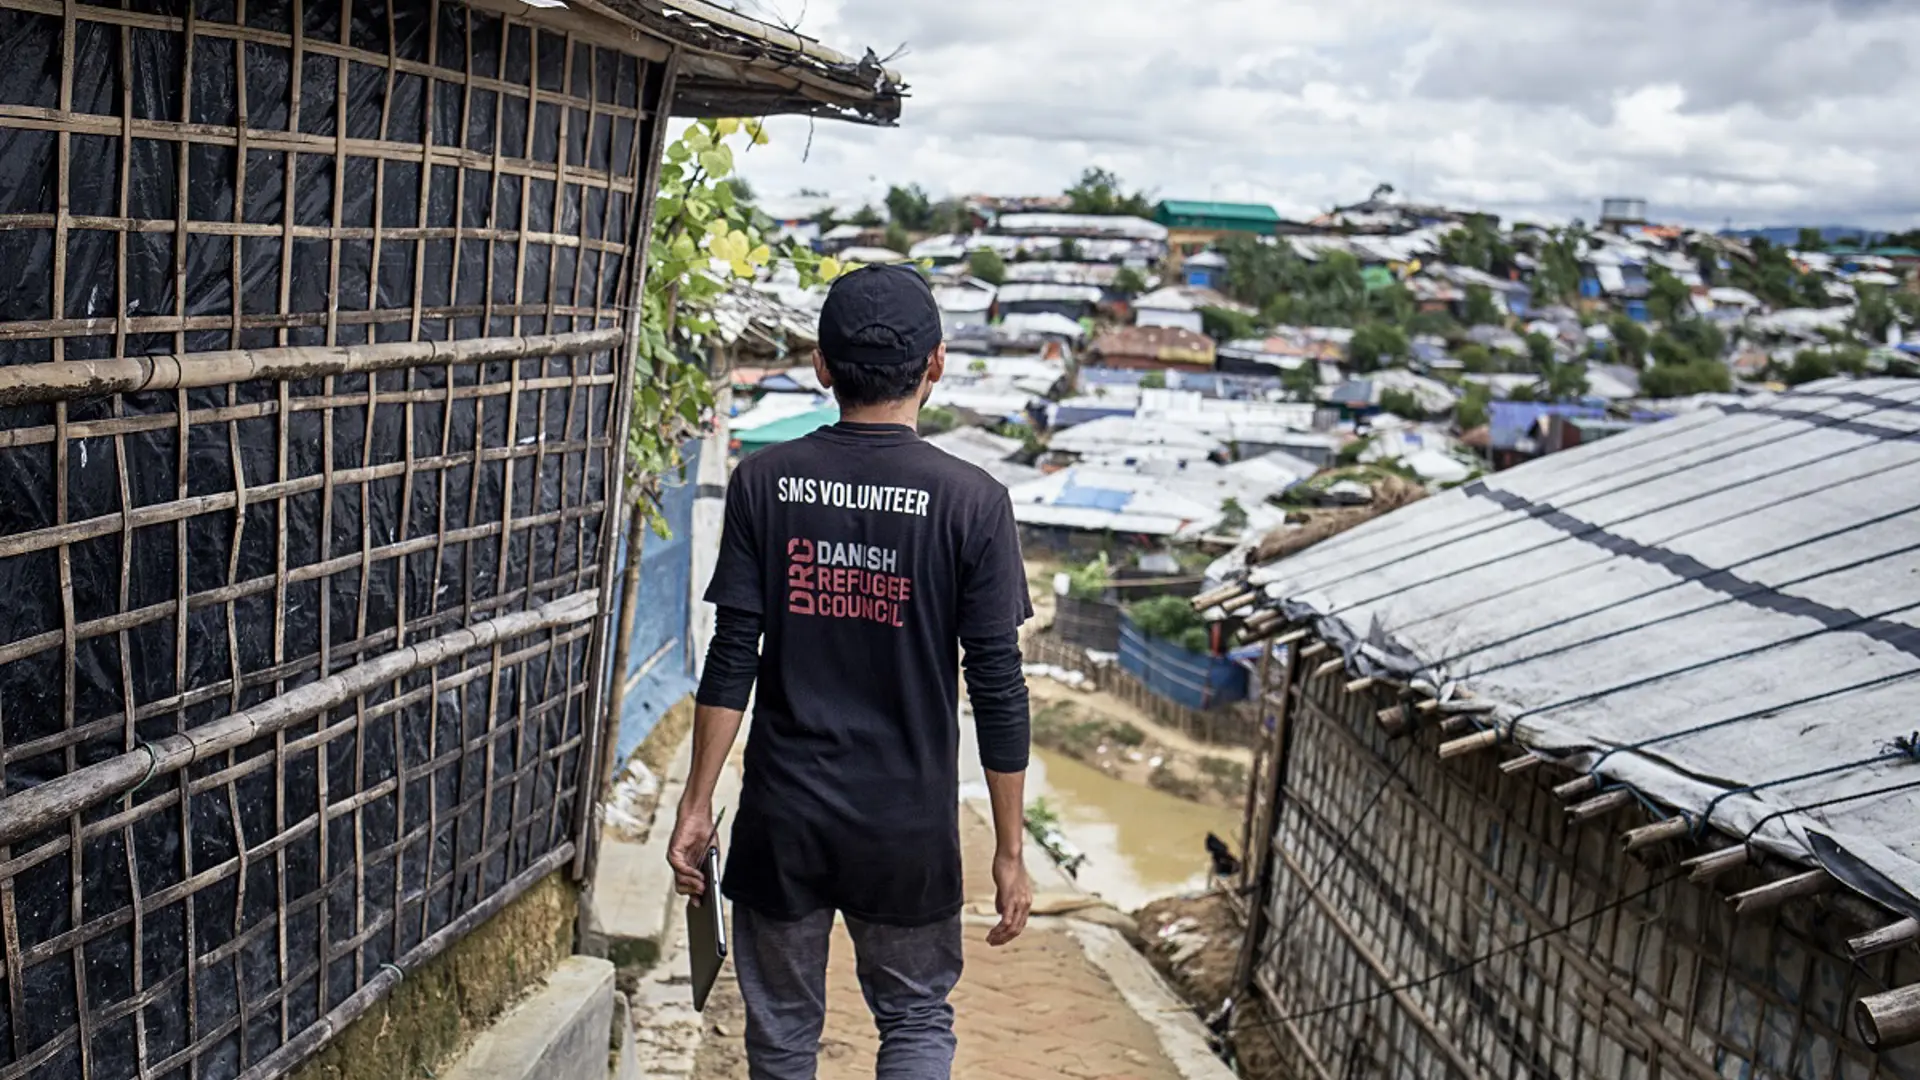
(1754, 111)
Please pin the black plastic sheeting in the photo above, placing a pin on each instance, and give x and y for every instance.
(427, 854)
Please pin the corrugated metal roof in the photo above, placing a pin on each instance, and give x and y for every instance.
(1192, 208)
(1719, 612)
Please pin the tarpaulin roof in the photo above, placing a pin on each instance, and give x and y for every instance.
(1720, 612)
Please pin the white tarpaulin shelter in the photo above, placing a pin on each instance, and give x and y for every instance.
(1719, 613)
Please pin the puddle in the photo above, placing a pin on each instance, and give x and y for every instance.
(1140, 844)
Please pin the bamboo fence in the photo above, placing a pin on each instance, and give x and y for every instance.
(312, 386)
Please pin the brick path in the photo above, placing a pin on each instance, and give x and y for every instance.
(1034, 1010)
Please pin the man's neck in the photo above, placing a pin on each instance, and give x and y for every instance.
(905, 412)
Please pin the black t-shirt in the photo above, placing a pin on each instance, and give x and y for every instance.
(868, 553)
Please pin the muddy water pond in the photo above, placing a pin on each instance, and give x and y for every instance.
(1141, 844)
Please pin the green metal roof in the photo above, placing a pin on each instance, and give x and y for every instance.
(1244, 211)
(1895, 252)
(786, 429)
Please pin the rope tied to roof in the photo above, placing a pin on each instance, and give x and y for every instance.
(1903, 749)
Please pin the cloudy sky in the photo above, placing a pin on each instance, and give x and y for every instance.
(1762, 112)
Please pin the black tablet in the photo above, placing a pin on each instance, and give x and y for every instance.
(706, 930)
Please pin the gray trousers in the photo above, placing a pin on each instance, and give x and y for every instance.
(905, 974)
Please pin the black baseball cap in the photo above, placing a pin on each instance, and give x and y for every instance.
(879, 316)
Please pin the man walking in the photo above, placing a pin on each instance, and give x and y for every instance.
(869, 560)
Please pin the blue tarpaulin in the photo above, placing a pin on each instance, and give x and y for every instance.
(1510, 421)
(659, 659)
(1196, 680)
(1097, 498)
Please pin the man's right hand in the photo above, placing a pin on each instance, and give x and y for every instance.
(693, 834)
(1012, 898)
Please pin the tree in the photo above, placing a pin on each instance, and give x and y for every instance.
(987, 265)
(897, 238)
(1480, 307)
(1811, 240)
(1401, 403)
(1540, 351)
(1098, 191)
(1559, 275)
(1473, 408)
(1129, 282)
(935, 420)
(1629, 339)
(1233, 516)
(1375, 345)
(1069, 249)
(1688, 340)
(704, 238)
(1476, 358)
(867, 218)
(910, 208)
(1154, 380)
(1436, 323)
(1668, 299)
(1477, 243)
(1774, 278)
(742, 191)
(1810, 365)
(1564, 382)
(1225, 324)
(949, 216)
(1683, 379)
(1873, 314)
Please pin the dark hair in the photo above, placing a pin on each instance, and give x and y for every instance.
(855, 385)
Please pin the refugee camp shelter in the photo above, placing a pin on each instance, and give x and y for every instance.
(1604, 765)
(314, 377)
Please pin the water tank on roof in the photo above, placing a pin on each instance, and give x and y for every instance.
(1623, 211)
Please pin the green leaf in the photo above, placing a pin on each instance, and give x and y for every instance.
(718, 162)
(678, 151)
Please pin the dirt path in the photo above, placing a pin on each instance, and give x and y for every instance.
(1038, 1008)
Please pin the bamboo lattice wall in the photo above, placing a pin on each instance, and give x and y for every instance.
(1389, 866)
(311, 392)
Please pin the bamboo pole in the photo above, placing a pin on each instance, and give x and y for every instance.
(1775, 893)
(1290, 637)
(1887, 938)
(1479, 740)
(1218, 596)
(1524, 762)
(67, 380)
(1598, 806)
(1576, 787)
(623, 636)
(1889, 1020)
(40, 807)
(1361, 684)
(1313, 650)
(1657, 833)
(1330, 666)
(1714, 863)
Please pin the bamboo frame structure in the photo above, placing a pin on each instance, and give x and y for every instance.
(1435, 916)
(307, 445)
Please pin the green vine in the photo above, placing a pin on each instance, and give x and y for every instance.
(704, 239)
